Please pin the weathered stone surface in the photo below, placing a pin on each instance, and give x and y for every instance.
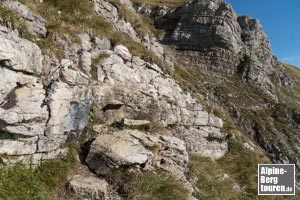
(132, 147)
(143, 8)
(208, 142)
(90, 187)
(23, 146)
(202, 25)
(78, 116)
(109, 12)
(21, 111)
(148, 88)
(102, 43)
(70, 107)
(123, 52)
(20, 54)
(115, 150)
(35, 23)
(130, 122)
(74, 77)
(213, 37)
(106, 9)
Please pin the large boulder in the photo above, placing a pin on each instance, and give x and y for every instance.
(116, 150)
(142, 151)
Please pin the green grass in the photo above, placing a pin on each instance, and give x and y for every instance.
(239, 165)
(187, 80)
(21, 183)
(147, 185)
(79, 16)
(9, 17)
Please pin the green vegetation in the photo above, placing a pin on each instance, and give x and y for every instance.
(21, 183)
(9, 17)
(238, 169)
(71, 17)
(188, 80)
(148, 186)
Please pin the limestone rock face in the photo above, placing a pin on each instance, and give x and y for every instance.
(23, 146)
(202, 25)
(138, 87)
(21, 112)
(20, 54)
(129, 122)
(109, 11)
(31, 131)
(208, 142)
(36, 24)
(211, 36)
(89, 187)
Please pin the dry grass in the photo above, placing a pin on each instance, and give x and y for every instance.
(169, 3)
(292, 70)
(217, 179)
(43, 183)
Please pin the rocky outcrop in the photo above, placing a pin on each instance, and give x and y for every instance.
(36, 24)
(46, 102)
(139, 150)
(156, 96)
(211, 36)
(20, 54)
(116, 150)
(109, 11)
(34, 131)
(208, 142)
(202, 25)
(127, 87)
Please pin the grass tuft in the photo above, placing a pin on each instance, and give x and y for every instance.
(21, 183)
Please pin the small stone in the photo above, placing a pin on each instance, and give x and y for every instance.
(130, 122)
(90, 187)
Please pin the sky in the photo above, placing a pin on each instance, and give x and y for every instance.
(281, 22)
